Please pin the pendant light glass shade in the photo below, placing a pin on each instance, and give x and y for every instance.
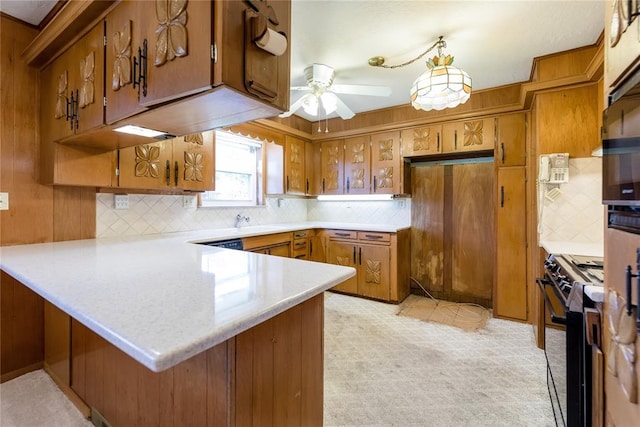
(441, 86)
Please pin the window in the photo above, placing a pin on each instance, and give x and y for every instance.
(238, 172)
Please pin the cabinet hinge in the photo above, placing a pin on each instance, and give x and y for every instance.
(117, 171)
(104, 40)
(104, 101)
(214, 53)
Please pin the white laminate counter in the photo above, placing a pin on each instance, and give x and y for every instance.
(162, 299)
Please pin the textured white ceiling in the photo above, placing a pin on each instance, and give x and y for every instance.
(494, 41)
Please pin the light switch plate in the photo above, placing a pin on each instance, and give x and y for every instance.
(121, 201)
(4, 201)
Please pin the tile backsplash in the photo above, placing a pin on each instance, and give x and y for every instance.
(577, 214)
(150, 214)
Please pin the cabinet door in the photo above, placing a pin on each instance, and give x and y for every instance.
(87, 79)
(510, 296)
(357, 165)
(124, 29)
(312, 168)
(283, 250)
(332, 170)
(194, 162)
(422, 141)
(386, 164)
(294, 166)
(373, 271)
(179, 38)
(343, 253)
(57, 343)
(510, 139)
(55, 93)
(147, 166)
(469, 135)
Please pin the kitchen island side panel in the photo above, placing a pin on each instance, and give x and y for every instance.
(271, 374)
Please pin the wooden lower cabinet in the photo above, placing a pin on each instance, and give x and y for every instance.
(380, 259)
(269, 375)
(269, 244)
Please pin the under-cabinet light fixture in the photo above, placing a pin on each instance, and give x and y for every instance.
(355, 197)
(140, 131)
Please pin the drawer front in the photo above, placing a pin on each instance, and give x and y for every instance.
(342, 234)
(300, 245)
(301, 234)
(372, 236)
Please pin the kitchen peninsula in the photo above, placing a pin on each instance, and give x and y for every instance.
(163, 328)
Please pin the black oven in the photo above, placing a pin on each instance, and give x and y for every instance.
(567, 353)
(621, 155)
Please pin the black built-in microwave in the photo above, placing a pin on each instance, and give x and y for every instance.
(621, 155)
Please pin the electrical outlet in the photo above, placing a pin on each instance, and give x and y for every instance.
(121, 201)
(4, 201)
(400, 203)
(189, 202)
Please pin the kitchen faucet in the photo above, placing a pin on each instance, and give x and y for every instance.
(240, 220)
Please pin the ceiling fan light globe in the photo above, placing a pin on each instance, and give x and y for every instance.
(310, 105)
(439, 88)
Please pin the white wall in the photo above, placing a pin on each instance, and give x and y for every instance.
(150, 214)
(577, 215)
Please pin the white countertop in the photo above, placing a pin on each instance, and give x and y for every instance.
(573, 248)
(162, 299)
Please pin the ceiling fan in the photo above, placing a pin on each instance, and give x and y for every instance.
(322, 93)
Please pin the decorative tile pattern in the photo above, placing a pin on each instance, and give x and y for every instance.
(577, 215)
(150, 214)
(387, 370)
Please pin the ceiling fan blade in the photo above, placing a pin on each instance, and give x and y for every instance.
(362, 90)
(342, 110)
(294, 107)
(303, 88)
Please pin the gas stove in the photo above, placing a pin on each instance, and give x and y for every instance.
(567, 272)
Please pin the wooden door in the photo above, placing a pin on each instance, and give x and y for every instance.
(194, 162)
(510, 140)
(294, 166)
(357, 165)
(343, 253)
(510, 295)
(125, 31)
(469, 135)
(622, 407)
(87, 78)
(427, 227)
(386, 164)
(472, 230)
(55, 94)
(147, 166)
(179, 40)
(422, 141)
(373, 271)
(332, 166)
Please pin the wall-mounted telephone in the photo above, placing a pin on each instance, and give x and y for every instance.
(554, 168)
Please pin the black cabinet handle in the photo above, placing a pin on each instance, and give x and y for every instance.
(354, 255)
(374, 184)
(455, 139)
(287, 183)
(140, 69)
(322, 185)
(310, 247)
(502, 155)
(348, 184)
(307, 191)
(438, 142)
(360, 255)
(373, 236)
(502, 196)
(343, 234)
(176, 170)
(168, 173)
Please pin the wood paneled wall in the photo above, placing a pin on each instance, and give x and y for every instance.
(37, 213)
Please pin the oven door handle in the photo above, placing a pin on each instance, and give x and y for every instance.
(543, 283)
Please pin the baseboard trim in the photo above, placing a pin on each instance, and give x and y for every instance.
(84, 409)
(7, 376)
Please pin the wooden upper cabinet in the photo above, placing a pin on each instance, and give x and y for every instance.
(332, 167)
(468, 135)
(386, 163)
(72, 89)
(182, 163)
(422, 141)
(357, 165)
(312, 168)
(294, 166)
(510, 140)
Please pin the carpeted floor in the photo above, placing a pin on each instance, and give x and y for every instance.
(381, 369)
